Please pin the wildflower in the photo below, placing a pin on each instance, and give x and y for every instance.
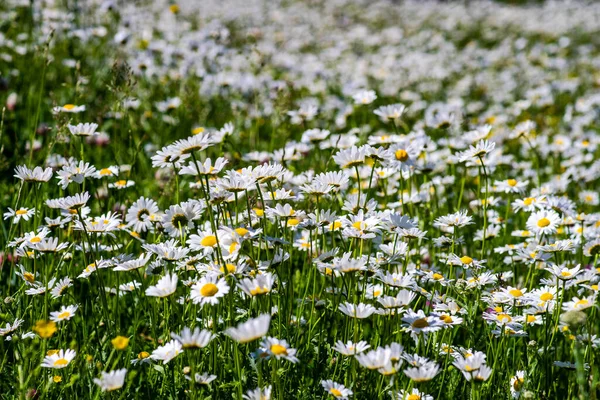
(337, 390)
(424, 373)
(167, 352)
(209, 290)
(250, 330)
(16, 215)
(258, 394)
(166, 286)
(357, 310)
(68, 108)
(193, 339)
(279, 349)
(64, 314)
(58, 360)
(350, 349)
(87, 129)
(543, 222)
(364, 97)
(120, 342)
(111, 380)
(33, 175)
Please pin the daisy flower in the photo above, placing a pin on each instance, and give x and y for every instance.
(16, 215)
(59, 359)
(111, 380)
(196, 339)
(68, 108)
(64, 314)
(279, 349)
(33, 175)
(209, 290)
(543, 222)
(166, 286)
(87, 129)
(250, 330)
(167, 352)
(337, 390)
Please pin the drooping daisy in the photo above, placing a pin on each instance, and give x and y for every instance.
(357, 310)
(193, 339)
(423, 373)
(166, 286)
(258, 394)
(167, 352)
(250, 330)
(83, 129)
(414, 394)
(33, 175)
(349, 348)
(111, 380)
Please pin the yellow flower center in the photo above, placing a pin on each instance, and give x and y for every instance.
(64, 315)
(259, 290)
(565, 274)
(61, 362)
(21, 212)
(121, 183)
(546, 296)
(358, 225)
(174, 8)
(401, 155)
(198, 130)
(512, 182)
(293, 222)
(143, 354)
(420, 323)
(57, 379)
(278, 349)
(518, 384)
(544, 222)
(28, 277)
(105, 171)
(209, 241)
(516, 293)
(466, 260)
(230, 268)
(335, 392)
(241, 231)
(336, 225)
(69, 106)
(209, 290)
(437, 276)
(504, 318)
(528, 201)
(447, 319)
(582, 302)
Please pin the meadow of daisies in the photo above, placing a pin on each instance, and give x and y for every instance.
(341, 199)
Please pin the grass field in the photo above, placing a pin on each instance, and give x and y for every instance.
(290, 199)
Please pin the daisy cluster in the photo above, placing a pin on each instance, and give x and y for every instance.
(299, 199)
